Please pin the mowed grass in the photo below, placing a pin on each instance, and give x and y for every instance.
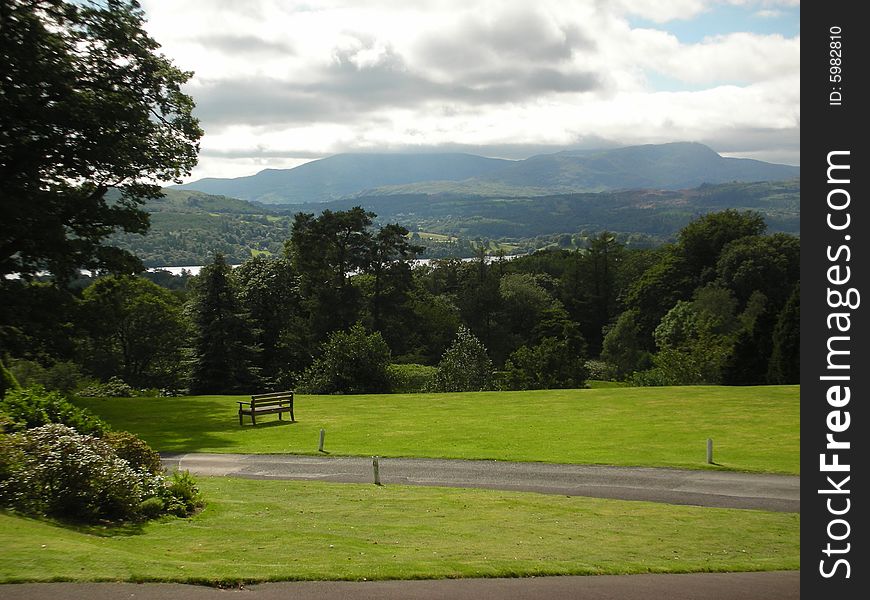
(753, 428)
(280, 530)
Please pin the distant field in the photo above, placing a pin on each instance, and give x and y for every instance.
(753, 428)
(281, 530)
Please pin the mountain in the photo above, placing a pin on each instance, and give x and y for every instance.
(346, 174)
(674, 166)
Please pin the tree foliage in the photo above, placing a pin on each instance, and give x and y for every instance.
(548, 365)
(223, 354)
(350, 362)
(465, 366)
(87, 105)
(135, 329)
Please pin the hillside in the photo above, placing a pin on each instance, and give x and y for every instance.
(188, 226)
(657, 213)
(672, 166)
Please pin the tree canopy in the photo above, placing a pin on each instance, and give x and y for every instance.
(92, 118)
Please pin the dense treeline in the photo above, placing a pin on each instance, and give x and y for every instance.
(341, 303)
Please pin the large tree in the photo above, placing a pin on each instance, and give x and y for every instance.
(223, 349)
(92, 118)
(134, 328)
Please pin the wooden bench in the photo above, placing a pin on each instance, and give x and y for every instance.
(267, 404)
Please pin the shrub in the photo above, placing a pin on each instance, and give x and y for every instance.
(7, 380)
(114, 388)
(410, 378)
(350, 362)
(62, 376)
(600, 370)
(180, 496)
(34, 407)
(549, 365)
(465, 366)
(54, 471)
(135, 451)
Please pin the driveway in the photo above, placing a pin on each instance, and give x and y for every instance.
(722, 489)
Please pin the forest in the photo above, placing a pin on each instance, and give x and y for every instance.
(342, 309)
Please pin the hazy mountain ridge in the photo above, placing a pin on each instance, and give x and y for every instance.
(674, 166)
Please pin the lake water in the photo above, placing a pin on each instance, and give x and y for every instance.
(417, 262)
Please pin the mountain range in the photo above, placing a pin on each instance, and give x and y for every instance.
(673, 166)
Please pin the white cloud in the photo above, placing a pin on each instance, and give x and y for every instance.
(279, 83)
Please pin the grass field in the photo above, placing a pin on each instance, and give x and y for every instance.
(753, 428)
(280, 530)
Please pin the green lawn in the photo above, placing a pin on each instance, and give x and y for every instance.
(280, 530)
(753, 428)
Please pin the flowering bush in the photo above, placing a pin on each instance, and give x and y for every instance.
(135, 451)
(55, 471)
(114, 388)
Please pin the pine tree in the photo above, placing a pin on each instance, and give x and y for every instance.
(222, 351)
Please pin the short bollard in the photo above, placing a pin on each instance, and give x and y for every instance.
(709, 451)
(376, 470)
(322, 437)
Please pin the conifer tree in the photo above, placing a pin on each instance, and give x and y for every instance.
(221, 346)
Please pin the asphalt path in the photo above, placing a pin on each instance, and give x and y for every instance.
(775, 585)
(722, 489)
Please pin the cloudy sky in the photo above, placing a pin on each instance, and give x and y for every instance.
(279, 82)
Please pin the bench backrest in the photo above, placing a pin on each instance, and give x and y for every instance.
(272, 396)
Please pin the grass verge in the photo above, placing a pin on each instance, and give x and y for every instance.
(753, 428)
(279, 530)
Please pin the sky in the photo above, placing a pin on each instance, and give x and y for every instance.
(278, 83)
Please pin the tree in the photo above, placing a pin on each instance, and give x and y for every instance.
(87, 105)
(465, 366)
(766, 263)
(696, 338)
(785, 360)
(134, 330)
(324, 252)
(223, 354)
(702, 240)
(548, 365)
(392, 282)
(623, 348)
(350, 362)
(268, 293)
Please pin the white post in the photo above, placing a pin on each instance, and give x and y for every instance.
(322, 436)
(709, 451)
(376, 470)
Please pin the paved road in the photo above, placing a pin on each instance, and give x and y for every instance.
(723, 489)
(782, 585)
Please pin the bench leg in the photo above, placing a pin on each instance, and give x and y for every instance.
(253, 418)
(292, 418)
(240, 418)
(280, 416)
